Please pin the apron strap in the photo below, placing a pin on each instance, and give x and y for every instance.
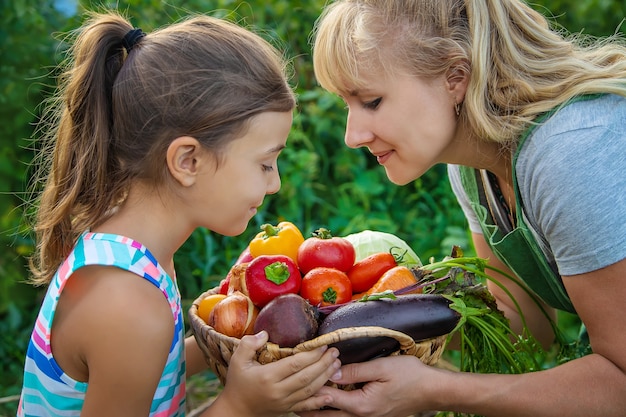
(518, 248)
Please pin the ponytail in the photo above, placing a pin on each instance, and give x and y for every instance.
(78, 170)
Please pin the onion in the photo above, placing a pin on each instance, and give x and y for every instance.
(234, 316)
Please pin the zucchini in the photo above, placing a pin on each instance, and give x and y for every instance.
(421, 316)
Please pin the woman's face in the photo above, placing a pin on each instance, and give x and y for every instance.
(407, 123)
(230, 195)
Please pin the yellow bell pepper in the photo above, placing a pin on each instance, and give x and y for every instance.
(283, 239)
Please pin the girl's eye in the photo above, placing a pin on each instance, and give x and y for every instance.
(372, 105)
(267, 168)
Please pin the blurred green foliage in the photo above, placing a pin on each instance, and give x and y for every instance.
(325, 184)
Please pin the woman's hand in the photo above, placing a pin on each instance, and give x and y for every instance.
(396, 386)
(290, 384)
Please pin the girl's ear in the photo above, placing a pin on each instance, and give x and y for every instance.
(457, 79)
(182, 157)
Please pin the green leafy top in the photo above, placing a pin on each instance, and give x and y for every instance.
(487, 342)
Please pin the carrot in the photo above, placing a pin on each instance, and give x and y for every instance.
(394, 279)
(358, 295)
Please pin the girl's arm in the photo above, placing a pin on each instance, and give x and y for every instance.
(194, 357)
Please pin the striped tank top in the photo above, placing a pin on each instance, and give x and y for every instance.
(47, 390)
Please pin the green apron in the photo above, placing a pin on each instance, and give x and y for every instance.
(518, 248)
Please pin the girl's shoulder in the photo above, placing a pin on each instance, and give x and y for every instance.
(117, 250)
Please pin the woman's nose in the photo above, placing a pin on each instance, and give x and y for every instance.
(357, 134)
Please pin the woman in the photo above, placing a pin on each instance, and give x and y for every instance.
(532, 126)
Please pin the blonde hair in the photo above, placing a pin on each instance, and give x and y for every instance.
(116, 112)
(519, 66)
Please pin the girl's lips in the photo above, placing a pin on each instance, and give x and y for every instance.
(382, 158)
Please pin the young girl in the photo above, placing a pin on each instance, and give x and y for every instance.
(532, 125)
(153, 136)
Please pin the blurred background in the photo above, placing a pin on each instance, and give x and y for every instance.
(325, 184)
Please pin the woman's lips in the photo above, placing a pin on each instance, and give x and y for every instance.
(383, 157)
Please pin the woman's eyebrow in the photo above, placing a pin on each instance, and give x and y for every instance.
(361, 92)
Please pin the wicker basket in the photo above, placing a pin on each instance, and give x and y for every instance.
(218, 348)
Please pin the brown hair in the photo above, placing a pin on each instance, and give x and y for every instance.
(116, 112)
(519, 66)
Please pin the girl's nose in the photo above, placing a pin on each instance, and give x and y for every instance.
(274, 183)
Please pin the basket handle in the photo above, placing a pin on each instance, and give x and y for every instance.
(407, 343)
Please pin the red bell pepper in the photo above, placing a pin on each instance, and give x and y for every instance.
(268, 276)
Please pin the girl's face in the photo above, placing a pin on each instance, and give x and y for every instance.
(407, 123)
(232, 192)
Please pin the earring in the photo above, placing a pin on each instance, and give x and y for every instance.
(457, 108)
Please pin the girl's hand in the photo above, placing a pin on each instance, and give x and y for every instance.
(289, 384)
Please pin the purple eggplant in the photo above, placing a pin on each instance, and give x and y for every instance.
(421, 316)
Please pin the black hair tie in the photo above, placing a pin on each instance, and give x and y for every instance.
(131, 38)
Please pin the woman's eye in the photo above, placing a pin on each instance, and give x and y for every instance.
(267, 168)
(372, 105)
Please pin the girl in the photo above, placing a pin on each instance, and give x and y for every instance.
(532, 126)
(153, 136)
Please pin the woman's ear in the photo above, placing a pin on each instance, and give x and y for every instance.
(457, 79)
(182, 157)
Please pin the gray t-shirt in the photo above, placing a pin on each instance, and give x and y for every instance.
(571, 174)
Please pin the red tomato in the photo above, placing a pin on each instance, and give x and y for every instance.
(323, 249)
(367, 271)
(323, 286)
